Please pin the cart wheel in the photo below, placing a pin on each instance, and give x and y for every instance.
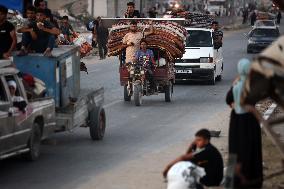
(127, 97)
(97, 123)
(34, 143)
(137, 95)
(169, 92)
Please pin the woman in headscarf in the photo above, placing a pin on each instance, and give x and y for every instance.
(244, 135)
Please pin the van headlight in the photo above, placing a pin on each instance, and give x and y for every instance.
(142, 72)
(131, 72)
(206, 60)
(251, 41)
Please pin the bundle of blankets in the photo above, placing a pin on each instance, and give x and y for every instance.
(168, 37)
(197, 20)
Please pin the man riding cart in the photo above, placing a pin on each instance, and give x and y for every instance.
(147, 50)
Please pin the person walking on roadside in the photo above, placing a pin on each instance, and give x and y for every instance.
(253, 18)
(245, 16)
(279, 17)
(102, 38)
(244, 135)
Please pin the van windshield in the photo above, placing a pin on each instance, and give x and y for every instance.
(198, 38)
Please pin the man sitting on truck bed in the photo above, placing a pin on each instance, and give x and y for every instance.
(45, 36)
(8, 37)
(18, 101)
(217, 35)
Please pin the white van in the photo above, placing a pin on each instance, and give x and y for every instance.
(200, 61)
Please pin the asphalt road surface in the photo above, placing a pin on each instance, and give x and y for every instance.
(70, 160)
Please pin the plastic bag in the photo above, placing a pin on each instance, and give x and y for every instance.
(184, 175)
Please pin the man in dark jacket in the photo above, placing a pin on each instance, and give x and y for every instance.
(102, 38)
(131, 12)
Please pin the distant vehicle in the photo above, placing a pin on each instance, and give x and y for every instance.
(265, 23)
(261, 37)
(200, 61)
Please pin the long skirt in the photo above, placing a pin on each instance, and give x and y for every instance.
(245, 143)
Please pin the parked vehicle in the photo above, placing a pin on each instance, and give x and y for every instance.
(21, 131)
(201, 61)
(261, 37)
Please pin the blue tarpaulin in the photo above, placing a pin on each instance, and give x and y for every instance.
(13, 4)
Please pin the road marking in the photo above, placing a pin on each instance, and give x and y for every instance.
(112, 103)
(92, 71)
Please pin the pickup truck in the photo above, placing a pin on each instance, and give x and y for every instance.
(21, 131)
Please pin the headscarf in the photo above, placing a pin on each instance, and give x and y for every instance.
(12, 83)
(243, 70)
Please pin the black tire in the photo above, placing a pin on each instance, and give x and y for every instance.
(212, 81)
(169, 92)
(137, 95)
(127, 97)
(97, 123)
(219, 78)
(34, 143)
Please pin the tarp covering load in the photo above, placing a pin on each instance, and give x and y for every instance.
(14, 4)
(168, 37)
(197, 20)
(266, 77)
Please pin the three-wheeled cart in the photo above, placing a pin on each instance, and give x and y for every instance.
(75, 107)
(166, 40)
(164, 77)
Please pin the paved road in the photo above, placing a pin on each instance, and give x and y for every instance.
(72, 159)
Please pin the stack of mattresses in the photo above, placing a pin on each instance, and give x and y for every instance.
(168, 37)
(197, 20)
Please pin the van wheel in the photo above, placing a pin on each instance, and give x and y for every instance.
(219, 78)
(34, 143)
(212, 81)
(97, 123)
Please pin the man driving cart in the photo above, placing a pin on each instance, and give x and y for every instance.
(146, 57)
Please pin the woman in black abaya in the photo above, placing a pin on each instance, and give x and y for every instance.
(244, 135)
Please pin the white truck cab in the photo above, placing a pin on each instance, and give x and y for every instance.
(200, 60)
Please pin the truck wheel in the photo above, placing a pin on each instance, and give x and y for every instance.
(169, 92)
(137, 95)
(97, 123)
(34, 143)
(127, 97)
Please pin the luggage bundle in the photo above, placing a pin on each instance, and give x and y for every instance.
(168, 37)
